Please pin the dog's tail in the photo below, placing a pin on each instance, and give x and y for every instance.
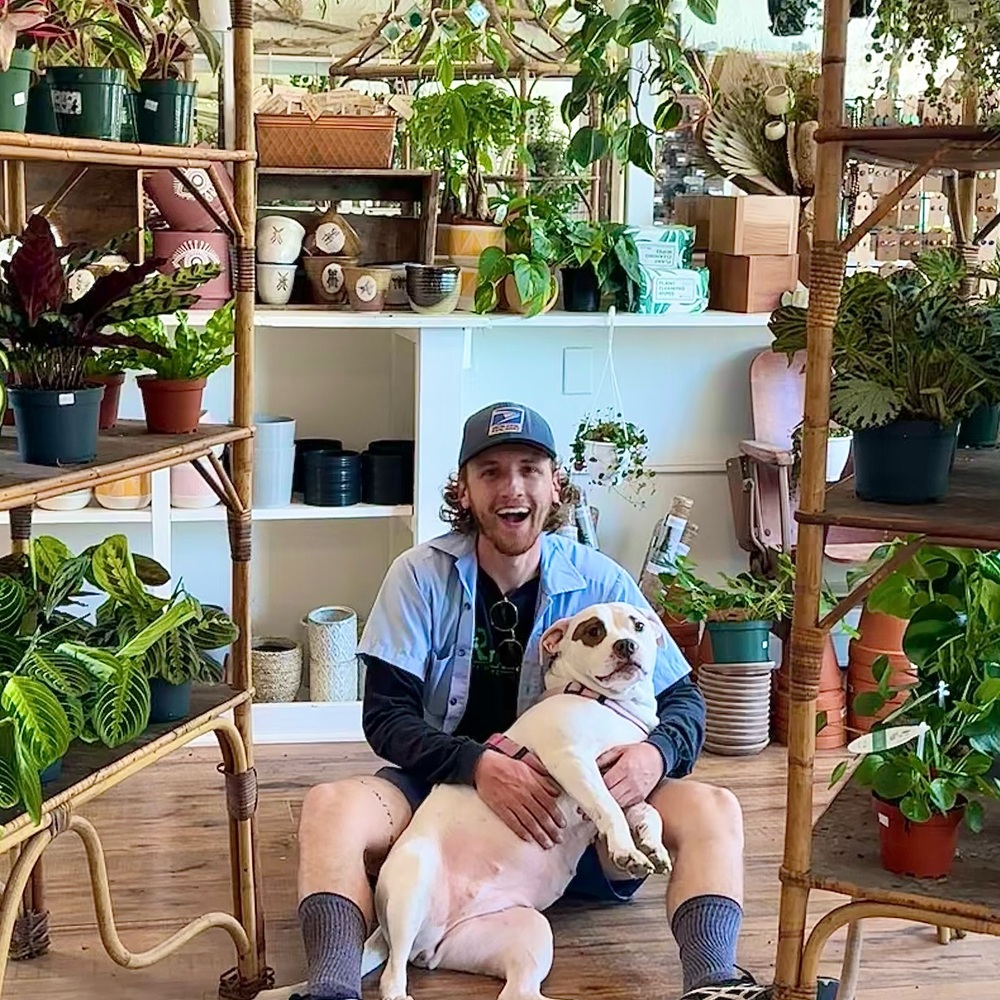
(375, 954)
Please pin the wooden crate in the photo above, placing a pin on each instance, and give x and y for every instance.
(744, 225)
(750, 284)
(695, 210)
(406, 235)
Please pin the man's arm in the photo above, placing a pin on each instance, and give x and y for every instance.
(393, 723)
(681, 733)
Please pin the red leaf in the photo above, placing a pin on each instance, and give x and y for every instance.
(36, 272)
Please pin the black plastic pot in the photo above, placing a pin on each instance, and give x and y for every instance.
(89, 101)
(41, 117)
(165, 111)
(302, 447)
(383, 479)
(54, 427)
(332, 478)
(905, 462)
(168, 702)
(403, 447)
(581, 292)
(980, 428)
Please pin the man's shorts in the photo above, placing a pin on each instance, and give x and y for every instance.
(589, 882)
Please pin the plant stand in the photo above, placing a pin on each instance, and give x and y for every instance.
(817, 858)
(127, 451)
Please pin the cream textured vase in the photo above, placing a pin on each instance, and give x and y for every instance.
(333, 647)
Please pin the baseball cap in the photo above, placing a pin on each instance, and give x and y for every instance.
(505, 423)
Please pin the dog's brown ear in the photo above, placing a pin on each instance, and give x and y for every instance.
(554, 635)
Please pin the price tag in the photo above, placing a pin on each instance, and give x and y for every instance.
(150, 105)
(66, 398)
(20, 98)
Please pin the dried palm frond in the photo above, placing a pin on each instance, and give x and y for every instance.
(728, 148)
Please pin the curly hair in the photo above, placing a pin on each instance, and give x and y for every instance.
(462, 520)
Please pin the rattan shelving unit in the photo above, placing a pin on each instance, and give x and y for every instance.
(90, 771)
(841, 853)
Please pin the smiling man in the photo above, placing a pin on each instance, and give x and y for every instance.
(452, 655)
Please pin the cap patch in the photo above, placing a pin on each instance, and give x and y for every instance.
(506, 420)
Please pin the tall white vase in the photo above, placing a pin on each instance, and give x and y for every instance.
(333, 647)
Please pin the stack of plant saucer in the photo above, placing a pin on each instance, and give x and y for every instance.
(738, 706)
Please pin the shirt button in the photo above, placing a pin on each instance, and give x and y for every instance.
(462, 651)
(467, 606)
(452, 701)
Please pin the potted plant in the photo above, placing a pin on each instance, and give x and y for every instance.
(459, 129)
(599, 259)
(107, 368)
(22, 22)
(50, 337)
(175, 659)
(740, 614)
(611, 450)
(181, 363)
(838, 450)
(910, 352)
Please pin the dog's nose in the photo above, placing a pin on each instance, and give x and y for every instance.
(625, 647)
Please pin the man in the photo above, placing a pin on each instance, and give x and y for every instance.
(451, 650)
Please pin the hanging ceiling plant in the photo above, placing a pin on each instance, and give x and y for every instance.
(601, 48)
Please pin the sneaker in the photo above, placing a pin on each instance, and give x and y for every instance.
(747, 988)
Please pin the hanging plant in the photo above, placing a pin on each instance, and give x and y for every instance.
(612, 451)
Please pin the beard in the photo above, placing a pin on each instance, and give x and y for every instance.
(512, 539)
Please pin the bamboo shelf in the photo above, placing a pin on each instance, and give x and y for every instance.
(845, 859)
(967, 516)
(126, 451)
(955, 147)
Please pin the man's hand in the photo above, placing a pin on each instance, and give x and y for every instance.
(631, 772)
(521, 797)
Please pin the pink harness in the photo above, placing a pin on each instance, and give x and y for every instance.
(506, 746)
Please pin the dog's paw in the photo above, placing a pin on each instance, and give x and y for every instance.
(630, 859)
(654, 850)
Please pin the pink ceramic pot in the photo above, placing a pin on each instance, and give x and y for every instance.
(178, 206)
(182, 249)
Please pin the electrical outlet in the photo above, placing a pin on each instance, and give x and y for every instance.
(578, 371)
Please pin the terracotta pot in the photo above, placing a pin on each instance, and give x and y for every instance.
(880, 634)
(178, 206)
(182, 249)
(922, 850)
(686, 635)
(109, 401)
(173, 406)
(863, 723)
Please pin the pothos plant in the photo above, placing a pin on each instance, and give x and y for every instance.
(601, 47)
(631, 449)
(610, 249)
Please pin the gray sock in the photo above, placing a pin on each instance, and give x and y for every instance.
(334, 931)
(706, 929)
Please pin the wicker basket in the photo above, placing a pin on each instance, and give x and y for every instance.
(359, 142)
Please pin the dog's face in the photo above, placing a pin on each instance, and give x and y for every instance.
(607, 647)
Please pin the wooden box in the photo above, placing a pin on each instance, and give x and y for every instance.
(754, 224)
(695, 210)
(750, 284)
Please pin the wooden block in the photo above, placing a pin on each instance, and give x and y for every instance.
(695, 210)
(749, 284)
(754, 224)
(933, 184)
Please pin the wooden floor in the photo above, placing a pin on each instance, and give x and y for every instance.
(165, 836)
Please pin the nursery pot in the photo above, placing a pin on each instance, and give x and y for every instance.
(52, 772)
(581, 292)
(922, 850)
(273, 461)
(739, 642)
(89, 101)
(165, 111)
(303, 445)
(905, 462)
(384, 478)
(109, 402)
(168, 702)
(41, 117)
(980, 428)
(55, 427)
(14, 85)
(332, 478)
(172, 406)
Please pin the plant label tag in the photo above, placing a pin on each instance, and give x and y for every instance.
(67, 102)
(150, 105)
(883, 819)
(477, 13)
(20, 98)
(66, 398)
(884, 739)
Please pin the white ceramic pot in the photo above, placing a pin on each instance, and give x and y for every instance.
(279, 240)
(76, 500)
(275, 283)
(777, 99)
(600, 458)
(773, 131)
(215, 15)
(837, 451)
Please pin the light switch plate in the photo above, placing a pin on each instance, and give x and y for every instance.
(578, 371)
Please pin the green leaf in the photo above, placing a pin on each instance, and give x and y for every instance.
(115, 573)
(493, 264)
(587, 145)
(869, 703)
(881, 668)
(13, 604)
(10, 785)
(942, 793)
(915, 810)
(988, 691)
(102, 663)
(639, 149)
(47, 555)
(668, 116)
(974, 816)
(704, 10)
(857, 403)
(42, 727)
(66, 582)
(150, 571)
(977, 763)
(639, 23)
(486, 298)
(931, 628)
(168, 621)
(29, 783)
(216, 630)
(61, 673)
(122, 709)
(865, 772)
(893, 780)
(838, 772)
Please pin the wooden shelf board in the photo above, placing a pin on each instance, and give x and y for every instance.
(134, 155)
(127, 450)
(845, 859)
(338, 172)
(965, 147)
(89, 771)
(967, 515)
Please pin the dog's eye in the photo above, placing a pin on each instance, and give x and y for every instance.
(639, 626)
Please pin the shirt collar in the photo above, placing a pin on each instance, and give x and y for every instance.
(558, 575)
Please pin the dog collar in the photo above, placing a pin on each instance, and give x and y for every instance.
(575, 687)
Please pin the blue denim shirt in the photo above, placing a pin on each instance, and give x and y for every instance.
(423, 620)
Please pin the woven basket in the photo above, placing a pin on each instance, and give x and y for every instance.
(277, 669)
(359, 142)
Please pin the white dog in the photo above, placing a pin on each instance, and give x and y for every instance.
(459, 889)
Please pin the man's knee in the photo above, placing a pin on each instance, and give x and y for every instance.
(364, 812)
(694, 810)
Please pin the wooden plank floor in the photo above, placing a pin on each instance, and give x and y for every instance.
(165, 836)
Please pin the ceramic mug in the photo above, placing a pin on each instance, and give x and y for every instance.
(279, 240)
(275, 283)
